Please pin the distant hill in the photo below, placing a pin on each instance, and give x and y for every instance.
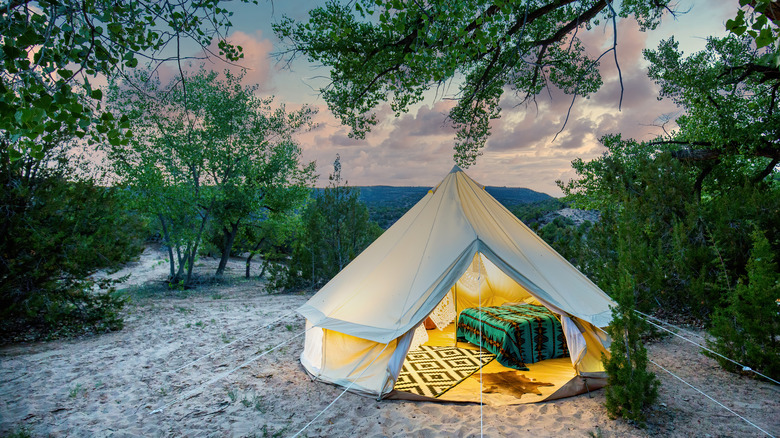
(391, 196)
(509, 196)
(386, 204)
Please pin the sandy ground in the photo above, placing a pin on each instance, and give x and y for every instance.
(109, 385)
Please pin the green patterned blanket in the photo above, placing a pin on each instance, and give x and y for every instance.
(517, 334)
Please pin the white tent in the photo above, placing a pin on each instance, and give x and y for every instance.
(361, 323)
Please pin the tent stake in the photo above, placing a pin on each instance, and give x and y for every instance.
(585, 379)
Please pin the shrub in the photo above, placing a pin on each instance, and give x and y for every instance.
(747, 328)
(56, 232)
(630, 386)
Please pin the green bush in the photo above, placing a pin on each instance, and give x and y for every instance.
(56, 232)
(747, 328)
(631, 388)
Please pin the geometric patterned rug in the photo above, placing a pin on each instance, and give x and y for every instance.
(431, 371)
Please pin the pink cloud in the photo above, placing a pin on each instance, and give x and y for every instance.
(416, 148)
(256, 60)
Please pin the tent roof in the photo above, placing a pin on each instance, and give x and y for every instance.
(397, 280)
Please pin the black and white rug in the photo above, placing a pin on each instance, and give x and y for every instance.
(431, 371)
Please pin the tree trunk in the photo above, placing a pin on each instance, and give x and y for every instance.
(180, 272)
(167, 241)
(229, 236)
(700, 179)
(194, 251)
(768, 169)
(252, 254)
(190, 257)
(248, 264)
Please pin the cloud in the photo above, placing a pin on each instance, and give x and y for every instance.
(416, 148)
(256, 60)
(408, 150)
(524, 143)
(427, 120)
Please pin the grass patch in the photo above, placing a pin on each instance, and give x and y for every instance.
(19, 432)
(74, 392)
(201, 285)
(232, 395)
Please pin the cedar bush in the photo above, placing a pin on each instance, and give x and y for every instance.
(631, 388)
(55, 233)
(747, 328)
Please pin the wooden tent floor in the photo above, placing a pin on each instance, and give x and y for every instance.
(515, 386)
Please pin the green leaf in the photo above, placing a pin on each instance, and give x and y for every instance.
(764, 38)
(43, 102)
(115, 28)
(14, 153)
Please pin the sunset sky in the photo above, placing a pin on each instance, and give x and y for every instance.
(416, 148)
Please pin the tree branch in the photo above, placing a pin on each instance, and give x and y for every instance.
(767, 171)
(584, 17)
(538, 13)
(708, 168)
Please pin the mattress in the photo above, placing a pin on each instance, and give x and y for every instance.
(517, 334)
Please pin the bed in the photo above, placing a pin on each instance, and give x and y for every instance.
(517, 334)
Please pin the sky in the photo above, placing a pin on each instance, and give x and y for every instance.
(416, 148)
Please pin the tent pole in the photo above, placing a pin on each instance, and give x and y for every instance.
(455, 288)
(481, 364)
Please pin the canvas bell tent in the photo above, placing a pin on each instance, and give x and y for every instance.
(457, 249)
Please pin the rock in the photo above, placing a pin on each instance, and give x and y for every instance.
(576, 215)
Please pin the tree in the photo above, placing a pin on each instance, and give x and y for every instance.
(395, 50)
(273, 190)
(336, 229)
(629, 183)
(762, 25)
(630, 387)
(214, 152)
(58, 228)
(271, 236)
(52, 48)
(699, 190)
(731, 125)
(693, 248)
(748, 327)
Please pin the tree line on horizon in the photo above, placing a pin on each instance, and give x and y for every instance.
(688, 225)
